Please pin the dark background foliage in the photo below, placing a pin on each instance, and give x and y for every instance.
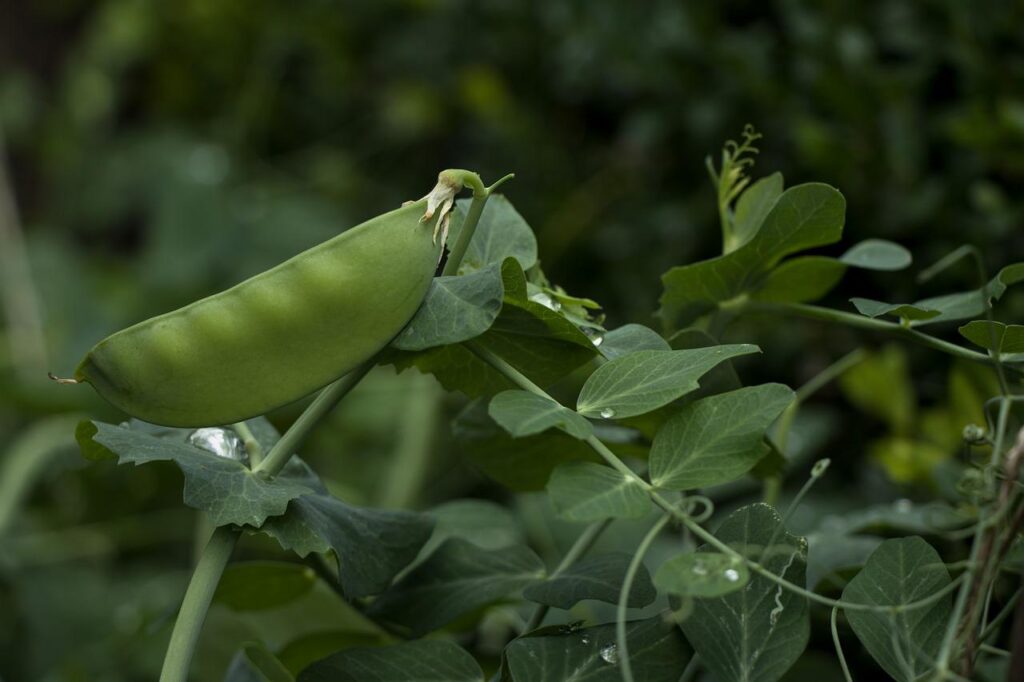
(161, 151)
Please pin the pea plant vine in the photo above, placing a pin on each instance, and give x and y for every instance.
(629, 427)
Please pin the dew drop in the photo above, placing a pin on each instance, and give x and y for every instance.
(220, 442)
(732, 575)
(597, 340)
(609, 654)
(903, 506)
(585, 640)
(607, 413)
(698, 569)
(546, 301)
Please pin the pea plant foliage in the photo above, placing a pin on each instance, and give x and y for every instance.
(676, 481)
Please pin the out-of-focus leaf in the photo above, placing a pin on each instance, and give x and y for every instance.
(426, 660)
(646, 380)
(486, 524)
(880, 385)
(255, 663)
(456, 579)
(1009, 338)
(599, 578)
(522, 413)
(584, 491)
(258, 585)
(899, 572)
(906, 311)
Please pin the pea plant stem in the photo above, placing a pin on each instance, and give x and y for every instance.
(215, 556)
(578, 550)
(627, 585)
(197, 601)
(871, 324)
(517, 378)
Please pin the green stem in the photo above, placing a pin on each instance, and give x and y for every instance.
(215, 556)
(691, 668)
(871, 324)
(839, 646)
(416, 431)
(194, 606)
(627, 585)
(476, 209)
(252, 446)
(516, 377)
(579, 548)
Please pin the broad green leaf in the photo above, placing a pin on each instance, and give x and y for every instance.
(486, 524)
(800, 279)
(754, 634)
(371, 545)
(877, 254)
(753, 206)
(701, 574)
(717, 439)
(537, 341)
(517, 463)
(599, 578)
(258, 585)
(522, 413)
(630, 338)
(804, 216)
(224, 488)
(457, 578)
(646, 380)
(900, 516)
(455, 309)
(425, 660)
(909, 312)
(501, 233)
(1009, 338)
(899, 572)
(256, 663)
(586, 492)
(657, 653)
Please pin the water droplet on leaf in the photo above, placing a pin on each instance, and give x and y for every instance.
(732, 575)
(546, 301)
(607, 413)
(609, 654)
(903, 506)
(585, 640)
(220, 442)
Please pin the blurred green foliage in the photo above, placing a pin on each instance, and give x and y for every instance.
(161, 151)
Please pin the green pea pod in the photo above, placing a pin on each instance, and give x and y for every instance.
(280, 335)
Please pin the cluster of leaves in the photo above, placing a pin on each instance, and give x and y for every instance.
(657, 423)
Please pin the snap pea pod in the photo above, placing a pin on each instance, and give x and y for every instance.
(280, 335)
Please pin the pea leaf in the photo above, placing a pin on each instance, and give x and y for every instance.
(646, 380)
(522, 413)
(830, 552)
(910, 312)
(630, 338)
(758, 632)
(701, 574)
(371, 545)
(800, 279)
(256, 663)
(501, 233)
(1008, 338)
(802, 217)
(425, 660)
(486, 524)
(753, 206)
(716, 439)
(584, 491)
(518, 463)
(877, 254)
(599, 578)
(456, 579)
(455, 309)
(901, 571)
(259, 585)
(224, 488)
(657, 653)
